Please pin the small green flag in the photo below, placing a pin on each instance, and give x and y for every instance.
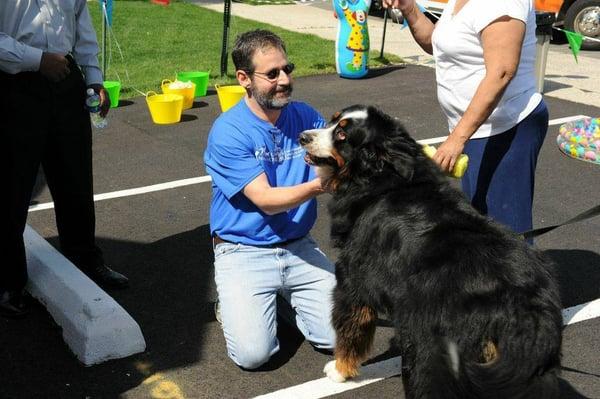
(575, 40)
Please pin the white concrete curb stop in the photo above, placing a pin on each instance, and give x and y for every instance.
(94, 326)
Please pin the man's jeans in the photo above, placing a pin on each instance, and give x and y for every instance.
(248, 280)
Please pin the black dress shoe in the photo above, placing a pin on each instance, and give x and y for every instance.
(13, 304)
(106, 277)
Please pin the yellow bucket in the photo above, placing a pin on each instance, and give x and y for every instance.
(164, 108)
(229, 95)
(187, 93)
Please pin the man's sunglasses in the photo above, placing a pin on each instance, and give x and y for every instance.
(274, 73)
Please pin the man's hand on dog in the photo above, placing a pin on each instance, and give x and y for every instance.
(320, 185)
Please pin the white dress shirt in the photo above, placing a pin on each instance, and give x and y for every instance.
(30, 27)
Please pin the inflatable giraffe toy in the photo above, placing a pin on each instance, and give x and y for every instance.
(352, 42)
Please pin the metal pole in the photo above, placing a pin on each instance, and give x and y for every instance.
(104, 22)
(226, 18)
(385, 17)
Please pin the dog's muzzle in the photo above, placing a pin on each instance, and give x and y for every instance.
(307, 140)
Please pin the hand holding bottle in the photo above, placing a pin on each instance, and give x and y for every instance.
(104, 98)
(93, 103)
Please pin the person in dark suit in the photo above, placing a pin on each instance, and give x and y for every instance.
(48, 59)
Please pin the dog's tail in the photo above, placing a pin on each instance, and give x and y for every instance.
(519, 367)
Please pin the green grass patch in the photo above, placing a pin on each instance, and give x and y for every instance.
(264, 2)
(158, 41)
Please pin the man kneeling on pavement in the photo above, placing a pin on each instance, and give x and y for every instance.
(263, 208)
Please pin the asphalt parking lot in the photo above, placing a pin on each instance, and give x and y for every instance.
(160, 240)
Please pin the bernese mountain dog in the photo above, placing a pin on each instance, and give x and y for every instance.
(476, 310)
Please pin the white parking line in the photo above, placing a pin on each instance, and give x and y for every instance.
(578, 313)
(205, 179)
(388, 368)
(133, 191)
(560, 121)
(434, 140)
(551, 122)
(323, 387)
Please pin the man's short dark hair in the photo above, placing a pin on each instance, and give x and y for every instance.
(247, 43)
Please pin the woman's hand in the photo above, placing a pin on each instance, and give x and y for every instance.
(420, 26)
(405, 6)
(447, 154)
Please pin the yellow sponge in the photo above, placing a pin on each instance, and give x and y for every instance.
(460, 166)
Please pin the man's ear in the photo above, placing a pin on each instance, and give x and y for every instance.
(243, 78)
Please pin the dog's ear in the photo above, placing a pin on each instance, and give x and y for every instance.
(401, 150)
(403, 164)
(368, 160)
(388, 149)
(383, 160)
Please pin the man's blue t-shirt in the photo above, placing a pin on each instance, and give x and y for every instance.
(241, 146)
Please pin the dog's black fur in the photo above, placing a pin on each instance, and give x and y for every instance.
(476, 309)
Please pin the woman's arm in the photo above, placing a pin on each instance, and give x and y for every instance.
(501, 41)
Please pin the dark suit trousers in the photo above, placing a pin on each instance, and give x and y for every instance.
(45, 123)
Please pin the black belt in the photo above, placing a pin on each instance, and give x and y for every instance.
(218, 240)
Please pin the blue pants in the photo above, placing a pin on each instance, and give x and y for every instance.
(248, 280)
(500, 178)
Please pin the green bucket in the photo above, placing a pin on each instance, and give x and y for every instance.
(114, 89)
(198, 77)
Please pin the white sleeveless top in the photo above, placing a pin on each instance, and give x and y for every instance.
(460, 67)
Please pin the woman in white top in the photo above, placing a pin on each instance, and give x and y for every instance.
(485, 54)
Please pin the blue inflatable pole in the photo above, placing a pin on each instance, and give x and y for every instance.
(109, 8)
(352, 41)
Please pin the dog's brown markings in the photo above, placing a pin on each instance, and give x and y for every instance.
(331, 185)
(333, 182)
(343, 123)
(489, 352)
(338, 158)
(335, 116)
(354, 341)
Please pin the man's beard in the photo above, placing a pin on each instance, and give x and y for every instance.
(267, 99)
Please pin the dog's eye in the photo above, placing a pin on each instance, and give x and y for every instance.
(340, 135)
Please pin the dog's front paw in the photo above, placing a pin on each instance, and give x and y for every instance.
(333, 373)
